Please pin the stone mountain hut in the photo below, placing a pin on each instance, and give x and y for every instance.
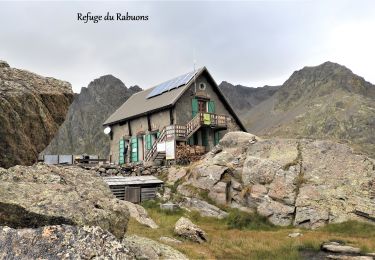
(187, 110)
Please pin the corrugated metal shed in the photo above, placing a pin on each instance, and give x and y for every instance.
(134, 188)
(132, 180)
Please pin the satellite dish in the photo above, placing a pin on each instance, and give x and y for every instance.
(107, 130)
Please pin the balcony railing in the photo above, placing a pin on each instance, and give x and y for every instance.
(185, 132)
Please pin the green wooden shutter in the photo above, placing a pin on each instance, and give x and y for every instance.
(121, 152)
(148, 142)
(211, 107)
(216, 138)
(134, 147)
(194, 106)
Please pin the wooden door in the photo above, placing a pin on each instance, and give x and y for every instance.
(133, 194)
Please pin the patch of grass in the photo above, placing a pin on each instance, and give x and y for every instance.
(242, 220)
(256, 241)
(154, 205)
(351, 228)
(309, 246)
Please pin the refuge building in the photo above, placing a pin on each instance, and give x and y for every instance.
(153, 124)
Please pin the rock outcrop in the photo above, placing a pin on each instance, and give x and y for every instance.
(82, 131)
(301, 182)
(188, 230)
(41, 195)
(62, 242)
(32, 108)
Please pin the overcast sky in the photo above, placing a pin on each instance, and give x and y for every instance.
(252, 43)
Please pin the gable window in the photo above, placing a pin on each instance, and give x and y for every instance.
(202, 106)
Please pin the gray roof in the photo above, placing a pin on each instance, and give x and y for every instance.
(131, 180)
(138, 104)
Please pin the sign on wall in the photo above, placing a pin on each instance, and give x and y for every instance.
(160, 147)
(170, 150)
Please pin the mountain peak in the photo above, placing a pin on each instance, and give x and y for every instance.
(106, 80)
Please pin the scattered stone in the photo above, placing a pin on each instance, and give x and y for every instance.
(204, 208)
(349, 257)
(140, 214)
(336, 247)
(170, 240)
(186, 229)
(167, 194)
(169, 206)
(296, 234)
(146, 248)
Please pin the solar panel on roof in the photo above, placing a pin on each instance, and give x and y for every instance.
(171, 84)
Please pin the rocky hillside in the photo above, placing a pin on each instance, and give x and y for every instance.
(82, 131)
(32, 108)
(324, 102)
(245, 98)
(291, 182)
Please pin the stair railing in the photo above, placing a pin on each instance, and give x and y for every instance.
(154, 147)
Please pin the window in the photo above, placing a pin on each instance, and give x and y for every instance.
(202, 86)
(202, 106)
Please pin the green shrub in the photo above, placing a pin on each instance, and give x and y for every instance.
(155, 206)
(242, 220)
(351, 228)
(150, 204)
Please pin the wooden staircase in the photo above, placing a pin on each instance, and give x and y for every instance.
(183, 133)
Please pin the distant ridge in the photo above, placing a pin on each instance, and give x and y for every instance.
(82, 131)
(327, 101)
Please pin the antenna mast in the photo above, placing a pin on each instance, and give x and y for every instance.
(195, 82)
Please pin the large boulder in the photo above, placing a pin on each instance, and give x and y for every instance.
(204, 208)
(40, 195)
(146, 248)
(140, 214)
(32, 108)
(238, 139)
(62, 242)
(186, 229)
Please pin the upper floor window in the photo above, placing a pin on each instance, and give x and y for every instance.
(202, 106)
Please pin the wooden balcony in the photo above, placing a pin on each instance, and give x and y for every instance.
(184, 132)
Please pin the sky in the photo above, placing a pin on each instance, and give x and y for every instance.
(252, 43)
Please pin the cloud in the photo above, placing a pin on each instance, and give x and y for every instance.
(251, 43)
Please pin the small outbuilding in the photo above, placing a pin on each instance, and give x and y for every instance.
(135, 189)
